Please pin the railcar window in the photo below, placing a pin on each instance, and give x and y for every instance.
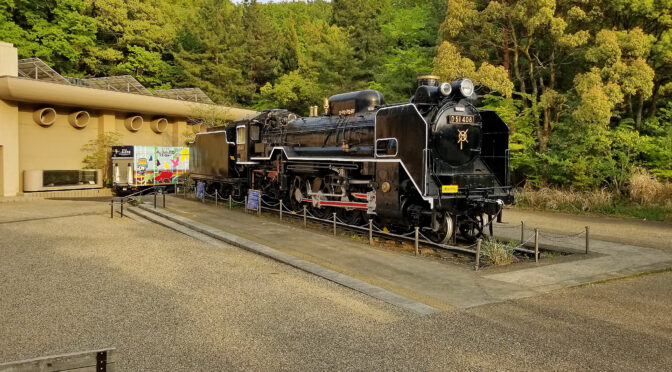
(254, 133)
(240, 135)
(386, 147)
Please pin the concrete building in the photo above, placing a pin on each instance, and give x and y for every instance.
(45, 120)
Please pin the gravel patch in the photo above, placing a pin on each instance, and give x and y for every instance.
(170, 302)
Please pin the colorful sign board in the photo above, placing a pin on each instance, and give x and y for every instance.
(155, 165)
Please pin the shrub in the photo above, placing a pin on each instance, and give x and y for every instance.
(498, 253)
(647, 190)
(565, 200)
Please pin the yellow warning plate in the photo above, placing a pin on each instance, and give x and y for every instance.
(449, 189)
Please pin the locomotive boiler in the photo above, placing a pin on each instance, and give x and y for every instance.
(436, 162)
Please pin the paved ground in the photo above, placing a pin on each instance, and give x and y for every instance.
(169, 302)
(442, 285)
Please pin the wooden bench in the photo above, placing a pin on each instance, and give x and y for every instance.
(86, 361)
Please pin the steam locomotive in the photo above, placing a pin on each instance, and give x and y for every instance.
(436, 162)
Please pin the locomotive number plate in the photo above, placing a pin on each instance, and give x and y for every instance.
(460, 119)
(449, 189)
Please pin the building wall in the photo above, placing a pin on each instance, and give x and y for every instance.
(26, 145)
(59, 146)
(9, 143)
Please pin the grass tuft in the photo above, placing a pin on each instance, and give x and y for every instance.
(498, 253)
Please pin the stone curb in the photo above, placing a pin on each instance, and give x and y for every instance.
(187, 225)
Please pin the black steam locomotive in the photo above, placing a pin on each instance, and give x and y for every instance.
(437, 162)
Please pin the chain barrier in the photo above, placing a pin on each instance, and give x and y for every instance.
(560, 238)
(272, 206)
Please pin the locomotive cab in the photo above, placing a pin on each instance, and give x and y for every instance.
(248, 137)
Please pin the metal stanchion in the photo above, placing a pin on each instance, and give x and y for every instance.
(536, 245)
(230, 201)
(304, 216)
(164, 200)
(417, 230)
(216, 204)
(478, 254)
(111, 209)
(246, 204)
(259, 206)
(122, 209)
(587, 238)
(370, 231)
(334, 224)
(522, 232)
(155, 198)
(280, 209)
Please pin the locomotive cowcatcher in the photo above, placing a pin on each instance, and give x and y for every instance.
(436, 162)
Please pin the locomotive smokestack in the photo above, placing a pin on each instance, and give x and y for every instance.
(431, 80)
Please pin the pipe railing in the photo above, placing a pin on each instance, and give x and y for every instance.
(122, 200)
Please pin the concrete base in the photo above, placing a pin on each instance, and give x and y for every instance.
(441, 285)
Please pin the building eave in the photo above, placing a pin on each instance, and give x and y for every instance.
(39, 92)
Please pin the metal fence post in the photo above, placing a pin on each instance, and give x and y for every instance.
(334, 223)
(216, 204)
(111, 209)
(304, 216)
(155, 198)
(490, 219)
(259, 206)
(370, 231)
(164, 200)
(417, 230)
(522, 232)
(280, 209)
(122, 209)
(587, 238)
(246, 204)
(536, 245)
(478, 254)
(230, 201)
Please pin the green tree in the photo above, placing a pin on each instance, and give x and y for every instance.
(99, 153)
(263, 44)
(209, 54)
(362, 19)
(55, 31)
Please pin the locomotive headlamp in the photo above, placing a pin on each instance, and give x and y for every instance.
(466, 87)
(445, 89)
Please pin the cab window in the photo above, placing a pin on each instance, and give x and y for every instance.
(240, 135)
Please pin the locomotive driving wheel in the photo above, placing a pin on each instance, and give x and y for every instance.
(440, 230)
(296, 194)
(471, 227)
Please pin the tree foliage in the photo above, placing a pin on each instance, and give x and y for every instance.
(585, 86)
